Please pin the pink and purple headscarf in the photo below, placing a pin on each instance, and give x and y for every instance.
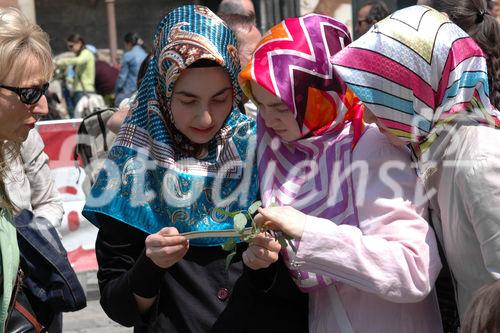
(292, 62)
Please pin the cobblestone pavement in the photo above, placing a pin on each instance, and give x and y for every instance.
(91, 319)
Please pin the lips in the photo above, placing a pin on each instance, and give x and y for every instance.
(203, 130)
(31, 125)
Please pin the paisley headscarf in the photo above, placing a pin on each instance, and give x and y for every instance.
(419, 74)
(292, 63)
(151, 179)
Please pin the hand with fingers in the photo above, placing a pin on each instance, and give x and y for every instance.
(166, 247)
(262, 251)
(285, 219)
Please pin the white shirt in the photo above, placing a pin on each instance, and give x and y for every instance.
(466, 208)
(29, 184)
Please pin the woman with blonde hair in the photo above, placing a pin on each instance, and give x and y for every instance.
(25, 69)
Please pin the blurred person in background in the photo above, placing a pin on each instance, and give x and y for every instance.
(115, 122)
(246, 33)
(105, 80)
(370, 13)
(494, 7)
(483, 314)
(105, 76)
(126, 83)
(248, 36)
(241, 7)
(84, 68)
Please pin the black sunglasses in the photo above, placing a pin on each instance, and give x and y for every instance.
(28, 95)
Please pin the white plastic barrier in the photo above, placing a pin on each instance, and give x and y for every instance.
(78, 235)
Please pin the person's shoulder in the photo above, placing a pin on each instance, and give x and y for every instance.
(140, 50)
(128, 56)
(476, 154)
(87, 53)
(374, 145)
(477, 141)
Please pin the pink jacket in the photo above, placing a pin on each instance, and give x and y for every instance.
(387, 267)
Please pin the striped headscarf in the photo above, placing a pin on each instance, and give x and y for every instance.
(418, 73)
(150, 179)
(292, 63)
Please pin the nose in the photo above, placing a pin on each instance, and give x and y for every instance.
(41, 108)
(205, 119)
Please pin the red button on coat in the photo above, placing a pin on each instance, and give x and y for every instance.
(222, 294)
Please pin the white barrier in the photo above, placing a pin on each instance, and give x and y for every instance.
(78, 235)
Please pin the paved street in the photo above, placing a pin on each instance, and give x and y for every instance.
(91, 319)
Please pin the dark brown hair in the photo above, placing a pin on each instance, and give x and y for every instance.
(474, 17)
(378, 11)
(483, 313)
(75, 38)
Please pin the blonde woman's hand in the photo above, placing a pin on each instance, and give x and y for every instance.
(166, 247)
(286, 219)
(262, 251)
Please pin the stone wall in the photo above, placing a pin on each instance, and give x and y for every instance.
(61, 18)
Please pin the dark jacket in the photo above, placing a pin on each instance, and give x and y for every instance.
(197, 294)
(51, 284)
(105, 78)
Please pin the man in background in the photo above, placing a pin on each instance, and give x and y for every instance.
(370, 13)
(239, 7)
(247, 35)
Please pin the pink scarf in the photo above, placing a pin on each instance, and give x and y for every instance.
(310, 174)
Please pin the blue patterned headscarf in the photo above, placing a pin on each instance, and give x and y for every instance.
(151, 179)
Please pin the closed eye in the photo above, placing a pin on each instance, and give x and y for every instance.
(187, 102)
(222, 98)
(219, 100)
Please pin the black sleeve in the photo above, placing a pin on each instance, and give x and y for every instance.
(263, 279)
(275, 280)
(124, 270)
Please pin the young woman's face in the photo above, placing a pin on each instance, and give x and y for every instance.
(17, 118)
(201, 101)
(74, 46)
(276, 114)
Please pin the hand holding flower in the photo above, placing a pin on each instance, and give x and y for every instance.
(262, 251)
(286, 219)
(166, 247)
